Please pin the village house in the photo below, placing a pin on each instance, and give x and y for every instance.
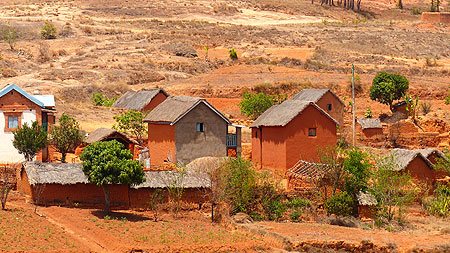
(66, 184)
(369, 128)
(144, 100)
(18, 107)
(416, 162)
(183, 128)
(291, 131)
(325, 99)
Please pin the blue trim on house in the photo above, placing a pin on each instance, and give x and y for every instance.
(11, 87)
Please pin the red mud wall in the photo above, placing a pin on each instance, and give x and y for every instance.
(140, 198)
(419, 169)
(158, 99)
(300, 146)
(271, 153)
(83, 194)
(161, 143)
(436, 17)
(337, 108)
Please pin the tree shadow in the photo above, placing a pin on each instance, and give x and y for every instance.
(117, 215)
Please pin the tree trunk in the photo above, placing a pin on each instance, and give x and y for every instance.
(400, 4)
(107, 191)
(5, 196)
(63, 157)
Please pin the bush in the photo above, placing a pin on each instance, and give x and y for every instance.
(358, 85)
(10, 36)
(340, 204)
(416, 11)
(368, 113)
(48, 32)
(426, 108)
(298, 206)
(388, 87)
(440, 204)
(253, 105)
(233, 54)
(98, 99)
(274, 208)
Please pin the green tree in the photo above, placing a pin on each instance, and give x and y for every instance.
(388, 87)
(10, 36)
(28, 140)
(107, 163)
(48, 32)
(393, 189)
(443, 163)
(67, 136)
(132, 123)
(357, 167)
(253, 105)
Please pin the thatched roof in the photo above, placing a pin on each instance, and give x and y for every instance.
(102, 134)
(426, 152)
(313, 95)
(282, 114)
(162, 179)
(367, 199)
(403, 157)
(72, 173)
(304, 169)
(176, 107)
(55, 173)
(369, 123)
(137, 100)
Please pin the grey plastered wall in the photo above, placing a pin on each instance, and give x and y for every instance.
(191, 144)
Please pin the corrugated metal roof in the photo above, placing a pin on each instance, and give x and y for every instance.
(282, 114)
(11, 87)
(48, 100)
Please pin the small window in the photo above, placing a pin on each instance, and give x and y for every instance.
(13, 122)
(312, 132)
(200, 127)
(329, 107)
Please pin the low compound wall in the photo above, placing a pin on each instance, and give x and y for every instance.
(436, 17)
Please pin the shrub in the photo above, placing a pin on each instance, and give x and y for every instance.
(340, 204)
(10, 36)
(98, 99)
(67, 136)
(298, 206)
(426, 108)
(358, 85)
(388, 87)
(48, 32)
(416, 11)
(440, 204)
(233, 54)
(368, 113)
(430, 62)
(253, 105)
(274, 208)
(28, 140)
(447, 99)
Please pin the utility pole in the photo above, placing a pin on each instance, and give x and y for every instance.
(353, 104)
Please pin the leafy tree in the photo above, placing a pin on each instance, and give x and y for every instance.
(10, 36)
(98, 99)
(357, 167)
(132, 123)
(67, 136)
(7, 182)
(253, 105)
(443, 163)
(28, 140)
(106, 163)
(48, 32)
(388, 87)
(393, 189)
(340, 204)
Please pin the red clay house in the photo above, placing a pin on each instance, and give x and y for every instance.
(144, 100)
(369, 127)
(325, 99)
(183, 128)
(291, 131)
(418, 164)
(18, 107)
